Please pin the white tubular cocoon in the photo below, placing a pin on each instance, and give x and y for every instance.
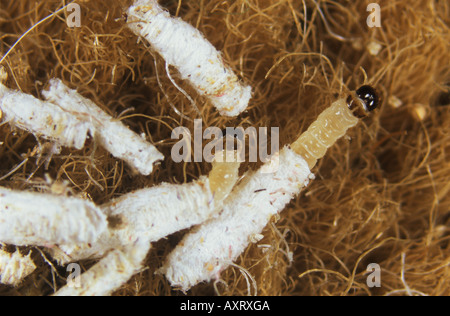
(14, 267)
(111, 272)
(147, 214)
(211, 248)
(185, 48)
(113, 135)
(43, 119)
(38, 219)
(162, 210)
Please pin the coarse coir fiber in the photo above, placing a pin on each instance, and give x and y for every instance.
(381, 194)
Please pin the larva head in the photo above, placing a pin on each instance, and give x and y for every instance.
(363, 101)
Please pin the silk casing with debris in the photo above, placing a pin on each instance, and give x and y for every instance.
(214, 245)
(147, 214)
(43, 119)
(38, 219)
(197, 60)
(133, 221)
(111, 272)
(113, 135)
(152, 213)
(14, 267)
(202, 254)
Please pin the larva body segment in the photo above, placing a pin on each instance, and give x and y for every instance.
(197, 60)
(38, 219)
(41, 118)
(329, 126)
(14, 267)
(115, 269)
(112, 135)
(213, 246)
(223, 176)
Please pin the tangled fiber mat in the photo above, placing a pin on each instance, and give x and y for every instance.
(381, 194)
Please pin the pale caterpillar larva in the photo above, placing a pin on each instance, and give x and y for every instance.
(333, 123)
(14, 267)
(30, 218)
(213, 246)
(197, 60)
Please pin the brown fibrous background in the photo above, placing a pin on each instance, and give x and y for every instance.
(381, 194)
